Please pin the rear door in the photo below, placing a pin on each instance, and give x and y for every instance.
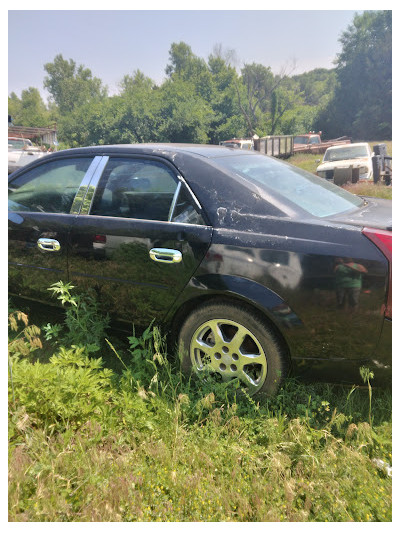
(139, 237)
(42, 201)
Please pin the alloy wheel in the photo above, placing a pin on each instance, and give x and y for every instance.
(229, 350)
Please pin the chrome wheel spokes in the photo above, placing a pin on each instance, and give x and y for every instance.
(229, 349)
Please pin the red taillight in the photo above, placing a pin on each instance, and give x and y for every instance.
(100, 239)
(383, 240)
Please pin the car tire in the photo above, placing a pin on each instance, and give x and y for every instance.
(231, 341)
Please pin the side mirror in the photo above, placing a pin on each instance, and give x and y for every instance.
(318, 160)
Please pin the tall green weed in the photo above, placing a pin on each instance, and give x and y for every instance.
(84, 323)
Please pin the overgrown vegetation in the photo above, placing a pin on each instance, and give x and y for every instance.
(87, 443)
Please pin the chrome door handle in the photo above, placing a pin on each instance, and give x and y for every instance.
(165, 255)
(48, 245)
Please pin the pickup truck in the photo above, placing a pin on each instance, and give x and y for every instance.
(21, 152)
(243, 144)
(355, 158)
(306, 140)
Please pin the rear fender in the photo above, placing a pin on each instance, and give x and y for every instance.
(241, 290)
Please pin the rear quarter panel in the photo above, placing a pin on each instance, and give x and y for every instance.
(289, 275)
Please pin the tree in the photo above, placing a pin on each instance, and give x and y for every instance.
(130, 84)
(227, 120)
(362, 103)
(263, 98)
(185, 65)
(282, 100)
(298, 120)
(120, 119)
(29, 110)
(70, 85)
(198, 102)
(185, 115)
(316, 86)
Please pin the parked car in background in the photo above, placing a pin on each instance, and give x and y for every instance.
(253, 266)
(357, 156)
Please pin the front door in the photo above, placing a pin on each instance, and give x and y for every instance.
(39, 220)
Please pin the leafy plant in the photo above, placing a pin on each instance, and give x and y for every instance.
(22, 343)
(64, 392)
(52, 331)
(85, 324)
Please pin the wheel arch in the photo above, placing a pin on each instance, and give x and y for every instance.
(257, 299)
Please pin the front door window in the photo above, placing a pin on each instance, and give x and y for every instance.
(48, 188)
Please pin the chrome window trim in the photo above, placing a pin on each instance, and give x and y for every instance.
(92, 186)
(183, 183)
(174, 200)
(149, 220)
(81, 193)
(181, 179)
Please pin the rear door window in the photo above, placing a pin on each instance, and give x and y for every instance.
(143, 189)
(135, 188)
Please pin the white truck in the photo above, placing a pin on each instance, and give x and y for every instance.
(353, 159)
(243, 144)
(21, 152)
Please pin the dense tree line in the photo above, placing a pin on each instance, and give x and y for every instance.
(207, 101)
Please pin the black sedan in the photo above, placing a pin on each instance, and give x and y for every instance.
(255, 267)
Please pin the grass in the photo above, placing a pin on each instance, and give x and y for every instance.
(305, 161)
(87, 443)
(370, 189)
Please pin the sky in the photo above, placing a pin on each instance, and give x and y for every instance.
(114, 43)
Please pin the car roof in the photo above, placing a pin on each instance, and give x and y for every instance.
(163, 149)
